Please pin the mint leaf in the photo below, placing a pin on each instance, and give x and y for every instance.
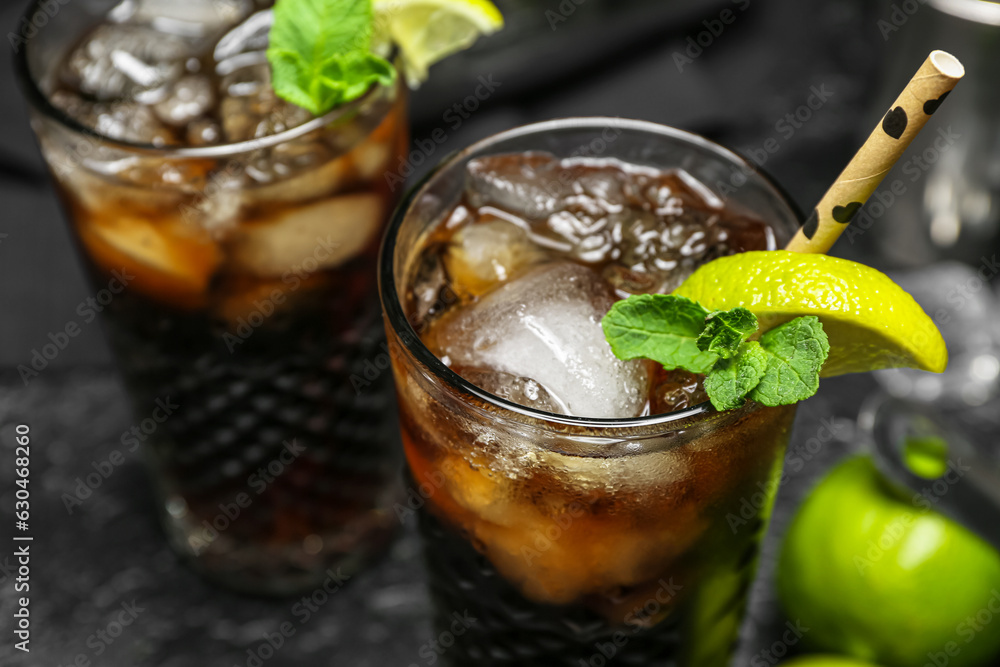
(725, 330)
(320, 53)
(730, 380)
(660, 327)
(795, 352)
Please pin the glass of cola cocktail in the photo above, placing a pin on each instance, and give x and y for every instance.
(577, 509)
(245, 233)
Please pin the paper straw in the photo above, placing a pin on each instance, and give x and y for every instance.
(906, 117)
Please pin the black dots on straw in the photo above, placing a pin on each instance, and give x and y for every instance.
(930, 106)
(844, 214)
(894, 123)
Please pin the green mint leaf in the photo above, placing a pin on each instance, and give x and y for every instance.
(730, 380)
(660, 327)
(320, 53)
(795, 352)
(725, 330)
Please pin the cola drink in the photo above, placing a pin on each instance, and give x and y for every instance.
(584, 510)
(242, 232)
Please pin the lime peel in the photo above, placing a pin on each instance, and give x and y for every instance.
(427, 31)
(871, 322)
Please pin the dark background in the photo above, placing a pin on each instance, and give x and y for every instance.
(603, 58)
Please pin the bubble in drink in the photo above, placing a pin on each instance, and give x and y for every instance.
(203, 132)
(676, 390)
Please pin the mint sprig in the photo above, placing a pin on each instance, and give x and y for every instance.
(781, 368)
(320, 53)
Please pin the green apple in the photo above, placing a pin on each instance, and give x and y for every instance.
(882, 577)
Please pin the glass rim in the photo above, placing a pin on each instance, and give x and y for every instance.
(41, 103)
(410, 339)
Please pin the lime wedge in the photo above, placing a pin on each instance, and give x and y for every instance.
(870, 321)
(428, 30)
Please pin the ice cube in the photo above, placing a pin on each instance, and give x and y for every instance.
(119, 62)
(187, 98)
(287, 177)
(218, 208)
(167, 260)
(486, 254)
(187, 18)
(648, 228)
(524, 184)
(248, 37)
(428, 291)
(249, 107)
(652, 226)
(103, 193)
(371, 141)
(308, 238)
(371, 159)
(295, 171)
(126, 121)
(545, 325)
(520, 390)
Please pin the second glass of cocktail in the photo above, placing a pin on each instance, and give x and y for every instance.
(577, 509)
(229, 212)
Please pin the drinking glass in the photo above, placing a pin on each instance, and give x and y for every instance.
(236, 283)
(558, 540)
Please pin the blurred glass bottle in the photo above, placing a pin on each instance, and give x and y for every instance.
(950, 202)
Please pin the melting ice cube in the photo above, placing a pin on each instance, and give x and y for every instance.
(545, 326)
